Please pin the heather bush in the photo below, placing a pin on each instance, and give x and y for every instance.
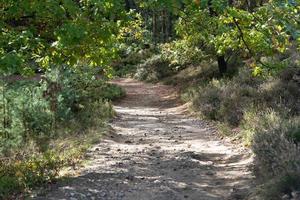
(224, 100)
(276, 148)
(228, 99)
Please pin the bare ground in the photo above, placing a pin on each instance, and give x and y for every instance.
(157, 152)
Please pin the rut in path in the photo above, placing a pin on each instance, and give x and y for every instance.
(157, 153)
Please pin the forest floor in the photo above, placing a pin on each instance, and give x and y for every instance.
(156, 151)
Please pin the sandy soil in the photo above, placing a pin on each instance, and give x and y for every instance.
(157, 152)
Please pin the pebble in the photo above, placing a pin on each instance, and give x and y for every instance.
(103, 194)
(156, 181)
(210, 173)
(121, 194)
(285, 197)
(296, 195)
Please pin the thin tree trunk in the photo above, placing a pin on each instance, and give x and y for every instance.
(154, 24)
(167, 26)
(170, 25)
(222, 64)
(162, 23)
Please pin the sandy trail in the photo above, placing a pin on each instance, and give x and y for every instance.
(156, 152)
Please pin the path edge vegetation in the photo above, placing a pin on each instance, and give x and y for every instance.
(55, 100)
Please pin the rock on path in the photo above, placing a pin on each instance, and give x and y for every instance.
(157, 153)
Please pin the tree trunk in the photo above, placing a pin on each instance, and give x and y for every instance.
(170, 26)
(129, 4)
(163, 26)
(222, 64)
(154, 24)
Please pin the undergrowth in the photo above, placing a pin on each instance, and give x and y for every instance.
(47, 124)
(261, 112)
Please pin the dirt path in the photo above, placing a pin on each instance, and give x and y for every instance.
(157, 153)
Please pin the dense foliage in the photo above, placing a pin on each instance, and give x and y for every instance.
(39, 34)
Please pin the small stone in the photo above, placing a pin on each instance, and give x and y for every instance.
(130, 177)
(186, 196)
(218, 183)
(182, 185)
(156, 181)
(210, 173)
(296, 194)
(103, 194)
(285, 197)
(128, 142)
(121, 194)
(209, 163)
(171, 137)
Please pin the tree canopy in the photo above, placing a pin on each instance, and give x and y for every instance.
(38, 34)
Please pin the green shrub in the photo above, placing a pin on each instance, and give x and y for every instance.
(36, 114)
(17, 175)
(129, 59)
(82, 97)
(26, 114)
(182, 53)
(153, 69)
